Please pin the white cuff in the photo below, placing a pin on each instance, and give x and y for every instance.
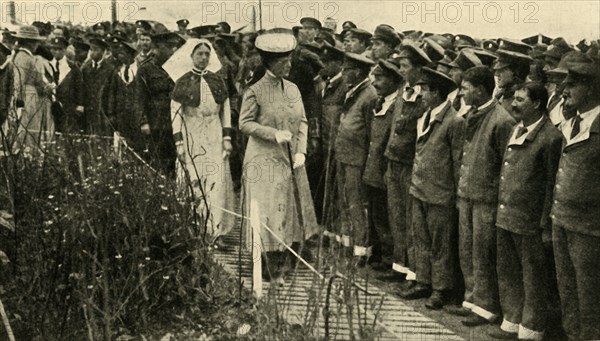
(509, 327)
(529, 334)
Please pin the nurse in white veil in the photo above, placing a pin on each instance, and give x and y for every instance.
(201, 119)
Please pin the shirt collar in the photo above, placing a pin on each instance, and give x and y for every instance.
(387, 102)
(592, 112)
(486, 104)
(413, 96)
(532, 126)
(453, 94)
(437, 110)
(26, 51)
(353, 89)
(336, 77)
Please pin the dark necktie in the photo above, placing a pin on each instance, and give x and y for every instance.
(379, 104)
(56, 73)
(576, 126)
(522, 131)
(426, 120)
(126, 73)
(456, 103)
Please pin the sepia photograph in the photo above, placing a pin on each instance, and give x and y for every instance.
(299, 170)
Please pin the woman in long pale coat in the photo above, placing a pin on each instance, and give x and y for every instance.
(30, 115)
(272, 115)
(201, 119)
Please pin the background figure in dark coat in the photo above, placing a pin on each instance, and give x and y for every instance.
(96, 74)
(153, 104)
(332, 97)
(5, 82)
(305, 68)
(120, 97)
(69, 89)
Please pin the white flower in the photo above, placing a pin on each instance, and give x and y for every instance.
(51, 197)
(118, 256)
(165, 277)
(70, 193)
(117, 192)
(243, 329)
(164, 208)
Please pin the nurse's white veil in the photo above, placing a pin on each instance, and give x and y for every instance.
(181, 63)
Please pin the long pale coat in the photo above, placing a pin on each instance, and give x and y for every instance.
(36, 125)
(273, 104)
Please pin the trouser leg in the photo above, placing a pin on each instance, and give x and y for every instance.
(485, 290)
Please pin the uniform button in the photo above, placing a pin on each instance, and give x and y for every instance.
(510, 149)
(501, 178)
(506, 163)
(560, 170)
(502, 206)
(553, 216)
(556, 201)
(464, 153)
(557, 186)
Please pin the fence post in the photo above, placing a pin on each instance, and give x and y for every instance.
(257, 284)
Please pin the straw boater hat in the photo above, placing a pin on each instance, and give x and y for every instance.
(28, 33)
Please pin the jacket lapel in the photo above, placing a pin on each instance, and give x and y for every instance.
(439, 118)
(594, 129)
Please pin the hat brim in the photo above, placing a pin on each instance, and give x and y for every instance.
(18, 36)
(499, 65)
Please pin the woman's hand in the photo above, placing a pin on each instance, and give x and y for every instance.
(227, 148)
(283, 136)
(299, 160)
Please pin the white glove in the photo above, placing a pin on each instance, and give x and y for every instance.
(283, 136)
(299, 160)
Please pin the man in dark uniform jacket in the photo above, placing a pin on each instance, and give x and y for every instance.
(433, 191)
(332, 94)
(153, 104)
(305, 68)
(523, 220)
(400, 152)
(351, 149)
(120, 97)
(576, 206)
(487, 131)
(387, 82)
(96, 72)
(69, 90)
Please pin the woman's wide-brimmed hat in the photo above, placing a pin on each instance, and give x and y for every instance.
(276, 40)
(28, 32)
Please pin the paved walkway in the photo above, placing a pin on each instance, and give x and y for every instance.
(396, 320)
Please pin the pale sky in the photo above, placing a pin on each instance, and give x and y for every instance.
(573, 20)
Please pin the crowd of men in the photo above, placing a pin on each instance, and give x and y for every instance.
(449, 164)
